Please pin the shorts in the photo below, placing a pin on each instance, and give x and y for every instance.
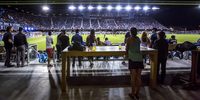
(49, 52)
(135, 64)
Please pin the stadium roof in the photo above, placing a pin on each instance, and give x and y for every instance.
(158, 2)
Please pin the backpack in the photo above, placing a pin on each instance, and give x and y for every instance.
(76, 46)
(186, 46)
(42, 57)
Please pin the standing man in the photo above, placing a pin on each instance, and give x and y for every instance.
(8, 44)
(77, 38)
(153, 37)
(58, 47)
(20, 42)
(49, 48)
(62, 43)
(64, 40)
(162, 46)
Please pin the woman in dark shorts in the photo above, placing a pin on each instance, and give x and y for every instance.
(135, 62)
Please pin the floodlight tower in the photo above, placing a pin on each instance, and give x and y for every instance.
(45, 8)
(72, 8)
(81, 7)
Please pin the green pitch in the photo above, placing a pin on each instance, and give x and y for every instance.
(41, 41)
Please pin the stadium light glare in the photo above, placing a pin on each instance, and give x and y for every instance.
(137, 8)
(145, 8)
(109, 7)
(72, 8)
(99, 7)
(118, 7)
(155, 8)
(81, 7)
(45, 8)
(128, 8)
(90, 7)
(199, 6)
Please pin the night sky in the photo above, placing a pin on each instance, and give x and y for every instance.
(184, 16)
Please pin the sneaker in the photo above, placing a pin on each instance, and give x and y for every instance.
(123, 63)
(79, 64)
(50, 65)
(10, 65)
(137, 97)
(131, 96)
(73, 65)
(91, 65)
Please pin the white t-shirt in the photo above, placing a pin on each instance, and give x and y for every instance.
(107, 42)
(49, 42)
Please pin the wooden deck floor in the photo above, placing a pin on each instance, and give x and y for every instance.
(37, 82)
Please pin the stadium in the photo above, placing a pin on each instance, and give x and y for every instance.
(89, 70)
(113, 19)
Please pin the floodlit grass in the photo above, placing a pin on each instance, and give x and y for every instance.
(41, 41)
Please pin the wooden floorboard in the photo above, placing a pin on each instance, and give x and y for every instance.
(37, 82)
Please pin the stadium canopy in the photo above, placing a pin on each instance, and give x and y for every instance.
(157, 2)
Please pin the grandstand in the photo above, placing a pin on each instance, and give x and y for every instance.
(98, 21)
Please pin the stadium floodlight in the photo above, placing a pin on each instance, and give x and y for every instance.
(25, 28)
(128, 8)
(99, 7)
(81, 7)
(137, 8)
(145, 8)
(155, 8)
(199, 6)
(90, 7)
(45, 8)
(29, 28)
(72, 8)
(118, 7)
(109, 8)
(32, 29)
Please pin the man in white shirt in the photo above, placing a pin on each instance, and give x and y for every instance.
(49, 48)
(107, 42)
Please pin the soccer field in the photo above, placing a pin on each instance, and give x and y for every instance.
(41, 41)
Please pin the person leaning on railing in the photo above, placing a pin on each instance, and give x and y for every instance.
(62, 43)
(77, 38)
(91, 41)
(145, 42)
(135, 62)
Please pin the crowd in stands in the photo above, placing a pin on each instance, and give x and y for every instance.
(114, 23)
(10, 17)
